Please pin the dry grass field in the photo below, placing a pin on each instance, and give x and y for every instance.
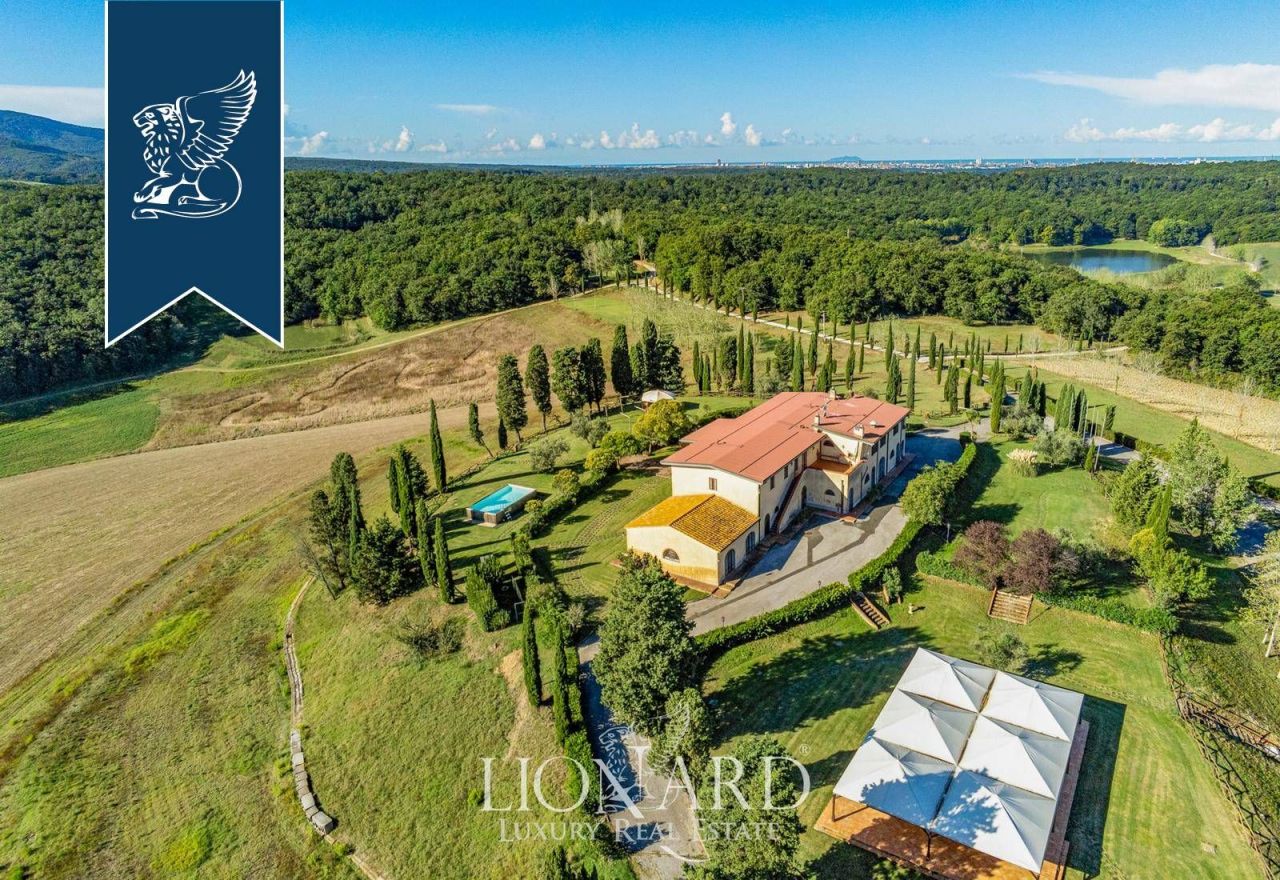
(1252, 420)
(455, 364)
(74, 538)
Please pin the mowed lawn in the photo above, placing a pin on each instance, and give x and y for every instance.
(1147, 806)
(122, 421)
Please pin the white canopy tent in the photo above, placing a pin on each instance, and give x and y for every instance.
(997, 818)
(926, 726)
(653, 395)
(943, 678)
(1037, 706)
(1018, 756)
(970, 754)
(896, 780)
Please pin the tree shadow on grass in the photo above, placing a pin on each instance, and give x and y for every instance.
(820, 676)
(1093, 792)
(1047, 661)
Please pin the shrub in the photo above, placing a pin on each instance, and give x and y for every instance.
(544, 454)
(998, 646)
(428, 640)
(1060, 448)
(601, 461)
(482, 580)
(1160, 621)
(662, 423)
(984, 551)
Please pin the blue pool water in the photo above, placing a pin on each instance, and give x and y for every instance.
(496, 502)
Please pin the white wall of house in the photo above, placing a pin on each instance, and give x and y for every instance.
(686, 558)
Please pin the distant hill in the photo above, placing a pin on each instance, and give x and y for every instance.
(48, 151)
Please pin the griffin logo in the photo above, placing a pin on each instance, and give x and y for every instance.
(187, 142)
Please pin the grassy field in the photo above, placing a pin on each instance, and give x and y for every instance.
(819, 686)
(153, 742)
(1168, 408)
(120, 422)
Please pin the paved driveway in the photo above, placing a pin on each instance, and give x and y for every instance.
(825, 552)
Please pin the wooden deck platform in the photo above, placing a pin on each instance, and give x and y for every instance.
(942, 859)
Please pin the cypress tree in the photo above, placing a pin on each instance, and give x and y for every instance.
(538, 373)
(749, 362)
(823, 380)
(889, 356)
(444, 570)
(866, 337)
(862, 353)
(893, 381)
(797, 368)
(740, 370)
(911, 373)
(1019, 343)
(933, 351)
(408, 495)
(849, 365)
(532, 670)
(1158, 515)
(393, 483)
(620, 364)
(968, 390)
(942, 360)
(437, 453)
(813, 350)
(997, 396)
(697, 366)
(510, 396)
(473, 425)
(425, 544)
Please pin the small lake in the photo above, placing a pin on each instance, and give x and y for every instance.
(1121, 262)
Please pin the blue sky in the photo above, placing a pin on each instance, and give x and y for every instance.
(685, 82)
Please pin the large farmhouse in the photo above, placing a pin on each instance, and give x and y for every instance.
(736, 481)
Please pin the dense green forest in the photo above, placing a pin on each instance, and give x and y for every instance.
(419, 247)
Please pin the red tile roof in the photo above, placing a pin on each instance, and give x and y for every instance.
(759, 442)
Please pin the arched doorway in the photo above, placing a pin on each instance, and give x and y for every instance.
(766, 523)
(751, 542)
(730, 561)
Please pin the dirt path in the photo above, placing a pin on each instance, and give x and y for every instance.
(74, 538)
(296, 705)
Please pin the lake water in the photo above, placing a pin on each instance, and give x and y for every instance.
(1088, 259)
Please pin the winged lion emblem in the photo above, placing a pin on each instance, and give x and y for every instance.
(186, 146)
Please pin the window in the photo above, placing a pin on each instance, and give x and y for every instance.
(712, 484)
(771, 479)
(670, 555)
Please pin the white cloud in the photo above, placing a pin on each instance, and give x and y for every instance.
(433, 147)
(82, 106)
(404, 142)
(537, 142)
(751, 136)
(1217, 130)
(727, 125)
(509, 145)
(1252, 86)
(469, 109)
(313, 144)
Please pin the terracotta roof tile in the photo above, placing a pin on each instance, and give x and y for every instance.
(759, 442)
(708, 519)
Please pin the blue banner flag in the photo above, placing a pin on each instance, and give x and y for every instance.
(195, 160)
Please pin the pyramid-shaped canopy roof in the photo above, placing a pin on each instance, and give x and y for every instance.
(947, 679)
(1034, 705)
(896, 780)
(1018, 756)
(993, 817)
(926, 726)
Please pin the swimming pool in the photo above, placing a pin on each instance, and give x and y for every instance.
(499, 505)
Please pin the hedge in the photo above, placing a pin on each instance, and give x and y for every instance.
(1152, 620)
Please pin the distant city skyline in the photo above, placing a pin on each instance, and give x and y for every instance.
(672, 84)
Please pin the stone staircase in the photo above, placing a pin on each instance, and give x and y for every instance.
(869, 611)
(1010, 607)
